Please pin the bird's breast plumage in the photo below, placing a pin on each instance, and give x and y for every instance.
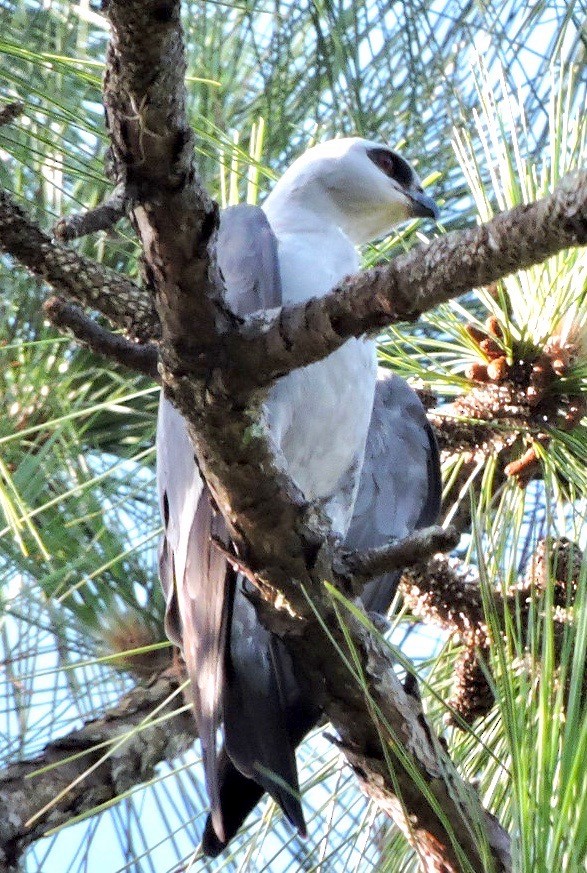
(318, 416)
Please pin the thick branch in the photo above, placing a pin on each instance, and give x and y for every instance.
(152, 155)
(395, 714)
(74, 276)
(284, 540)
(253, 355)
(270, 346)
(24, 792)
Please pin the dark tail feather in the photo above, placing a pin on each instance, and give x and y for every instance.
(203, 605)
(239, 794)
(255, 702)
(378, 594)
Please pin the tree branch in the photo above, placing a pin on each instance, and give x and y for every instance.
(252, 353)
(92, 765)
(213, 365)
(413, 549)
(284, 540)
(102, 217)
(141, 357)
(447, 594)
(268, 346)
(212, 374)
(74, 276)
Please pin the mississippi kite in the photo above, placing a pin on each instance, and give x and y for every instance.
(318, 418)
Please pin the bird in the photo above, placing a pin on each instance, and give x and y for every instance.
(333, 427)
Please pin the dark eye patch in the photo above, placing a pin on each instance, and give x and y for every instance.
(392, 165)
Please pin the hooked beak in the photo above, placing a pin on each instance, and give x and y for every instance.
(422, 206)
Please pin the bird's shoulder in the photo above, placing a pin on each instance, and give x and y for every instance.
(248, 259)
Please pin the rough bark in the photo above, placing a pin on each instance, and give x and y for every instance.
(116, 766)
(102, 217)
(269, 346)
(73, 275)
(413, 549)
(67, 317)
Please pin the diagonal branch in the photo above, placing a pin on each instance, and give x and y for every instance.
(101, 217)
(407, 552)
(141, 357)
(73, 275)
(252, 353)
(116, 751)
(271, 345)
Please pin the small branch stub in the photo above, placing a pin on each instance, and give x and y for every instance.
(102, 217)
(412, 550)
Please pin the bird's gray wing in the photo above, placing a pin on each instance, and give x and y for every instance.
(248, 259)
(255, 697)
(400, 486)
(255, 708)
(193, 574)
(399, 491)
(239, 794)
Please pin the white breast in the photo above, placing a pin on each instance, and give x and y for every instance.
(318, 416)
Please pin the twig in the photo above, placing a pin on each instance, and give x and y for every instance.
(413, 549)
(124, 303)
(26, 786)
(235, 562)
(102, 217)
(525, 468)
(141, 357)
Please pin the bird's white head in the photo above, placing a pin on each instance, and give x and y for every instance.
(363, 187)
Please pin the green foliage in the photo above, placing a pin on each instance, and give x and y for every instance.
(539, 727)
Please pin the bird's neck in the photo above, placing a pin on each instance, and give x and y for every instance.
(314, 253)
(290, 214)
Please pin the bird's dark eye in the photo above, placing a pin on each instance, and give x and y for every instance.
(392, 165)
(384, 160)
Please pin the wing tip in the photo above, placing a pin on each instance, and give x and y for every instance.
(211, 771)
(292, 809)
(215, 841)
(212, 845)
